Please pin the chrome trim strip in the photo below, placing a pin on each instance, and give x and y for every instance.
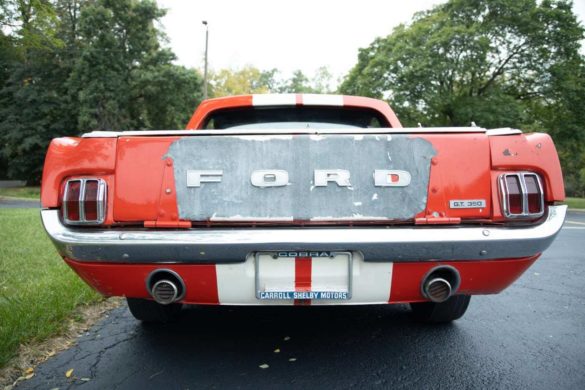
(358, 131)
(81, 203)
(502, 131)
(210, 245)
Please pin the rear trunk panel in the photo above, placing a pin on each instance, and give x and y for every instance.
(442, 168)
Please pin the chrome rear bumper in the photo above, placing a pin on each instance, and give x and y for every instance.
(208, 245)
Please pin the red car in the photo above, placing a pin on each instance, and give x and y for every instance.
(302, 199)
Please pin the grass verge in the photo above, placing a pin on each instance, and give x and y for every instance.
(38, 292)
(575, 203)
(21, 192)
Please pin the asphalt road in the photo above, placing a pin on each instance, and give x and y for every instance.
(530, 336)
(14, 203)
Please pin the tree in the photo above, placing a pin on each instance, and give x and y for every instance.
(242, 81)
(30, 97)
(322, 80)
(167, 95)
(298, 83)
(495, 62)
(70, 66)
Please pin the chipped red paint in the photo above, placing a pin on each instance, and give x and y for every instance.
(530, 152)
(70, 156)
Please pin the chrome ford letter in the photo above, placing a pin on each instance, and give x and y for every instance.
(391, 178)
(269, 178)
(195, 178)
(324, 176)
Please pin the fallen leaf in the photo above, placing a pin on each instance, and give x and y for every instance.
(264, 366)
(52, 353)
(69, 373)
(29, 370)
(292, 359)
(29, 376)
(277, 350)
(286, 338)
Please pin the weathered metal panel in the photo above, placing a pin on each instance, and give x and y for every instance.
(234, 198)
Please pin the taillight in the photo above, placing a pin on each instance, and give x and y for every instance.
(84, 201)
(71, 200)
(514, 198)
(522, 195)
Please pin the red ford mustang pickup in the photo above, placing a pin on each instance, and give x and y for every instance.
(302, 199)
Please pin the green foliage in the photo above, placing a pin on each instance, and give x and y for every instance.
(70, 66)
(249, 79)
(576, 203)
(21, 192)
(246, 80)
(498, 63)
(33, 303)
(298, 83)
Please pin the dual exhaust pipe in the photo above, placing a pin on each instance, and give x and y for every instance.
(440, 284)
(165, 286)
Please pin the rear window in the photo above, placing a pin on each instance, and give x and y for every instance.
(295, 117)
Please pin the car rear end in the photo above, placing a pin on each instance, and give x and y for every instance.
(332, 202)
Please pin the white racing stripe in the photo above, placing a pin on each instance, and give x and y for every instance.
(236, 283)
(330, 274)
(289, 99)
(371, 282)
(310, 99)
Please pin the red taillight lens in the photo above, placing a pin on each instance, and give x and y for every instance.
(90, 200)
(514, 194)
(522, 195)
(71, 201)
(84, 201)
(534, 194)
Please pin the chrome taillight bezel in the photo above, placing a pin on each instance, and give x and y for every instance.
(101, 201)
(525, 214)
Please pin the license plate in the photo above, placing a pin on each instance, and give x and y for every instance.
(290, 275)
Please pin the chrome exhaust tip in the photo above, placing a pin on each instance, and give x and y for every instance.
(165, 286)
(164, 292)
(440, 283)
(437, 290)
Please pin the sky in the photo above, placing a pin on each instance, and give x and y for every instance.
(287, 35)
